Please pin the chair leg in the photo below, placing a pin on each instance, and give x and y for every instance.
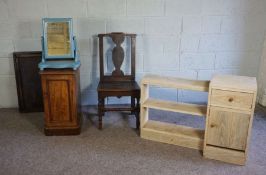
(100, 112)
(132, 105)
(137, 114)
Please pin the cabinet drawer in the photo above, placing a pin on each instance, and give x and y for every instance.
(232, 99)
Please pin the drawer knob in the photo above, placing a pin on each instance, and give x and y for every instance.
(212, 125)
(230, 99)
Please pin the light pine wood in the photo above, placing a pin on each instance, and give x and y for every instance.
(231, 104)
(165, 132)
(231, 127)
(225, 155)
(193, 109)
(234, 83)
(173, 134)
(232, 99)
(177, 83)
(144, 112)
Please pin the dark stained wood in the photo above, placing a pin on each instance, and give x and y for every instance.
(118, 84)
(61, 101)
(28, 81)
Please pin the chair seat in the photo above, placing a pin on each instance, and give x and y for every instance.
(118, 86)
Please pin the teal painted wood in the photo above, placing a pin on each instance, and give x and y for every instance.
(59, 62)
(45, 22)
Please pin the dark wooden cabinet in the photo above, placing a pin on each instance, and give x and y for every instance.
(61, 94)
(28, 81)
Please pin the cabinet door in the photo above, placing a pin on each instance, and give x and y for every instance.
(227, 128)
(60, 97)
(28, 81)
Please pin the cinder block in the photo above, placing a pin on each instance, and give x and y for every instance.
(159, 61)
(208, 74)
(89, 97)
(233, 24)
(67, 8)
(163, 25)
(6, 48)
(8, 92)
(237, 60)
(27, 45)
(6, 66)
(251, 7)
(139, 44)
(6, 30)
(189, 74)
(106, 8)
(181, 7)
(139, 62)
(211, 24)
(197, 61)
(85, 46)
(115, 100)
(152, 44)
(27, 8)
(197, 97)
(192, 24)
(160, 44)
(86, 82)
(221, 42)
(90, 27)
(145, 8)
(249, 42)
(35, 28)
(255, 23)
(86, 64)
(3, 10)
(222, 7)
(13, 29)
(163, 93)
(127, 25)
(190, 42)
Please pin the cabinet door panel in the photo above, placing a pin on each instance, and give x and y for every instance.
(59, 100)
(227, 129)
(28, 81)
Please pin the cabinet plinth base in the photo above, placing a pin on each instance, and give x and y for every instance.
(61, 131)
(225, 155)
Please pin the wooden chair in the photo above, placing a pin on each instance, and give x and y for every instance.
(118, 84)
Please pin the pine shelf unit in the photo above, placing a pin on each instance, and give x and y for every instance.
(166, 132)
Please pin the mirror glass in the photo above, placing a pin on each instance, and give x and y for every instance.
(58, 38)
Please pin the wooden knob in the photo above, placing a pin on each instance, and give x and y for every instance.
(212, 125)
(230, 99)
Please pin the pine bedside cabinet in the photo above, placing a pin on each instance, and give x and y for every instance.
(229, 119)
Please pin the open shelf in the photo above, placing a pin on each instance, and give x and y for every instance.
(167, 132)
(178, 83)
(173, 134)
(193, 109)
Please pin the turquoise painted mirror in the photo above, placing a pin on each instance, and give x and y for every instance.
(57, 33)
(58, 44)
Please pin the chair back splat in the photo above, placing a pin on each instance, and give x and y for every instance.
(118, 57)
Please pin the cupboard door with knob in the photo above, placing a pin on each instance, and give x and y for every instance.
(227, 128)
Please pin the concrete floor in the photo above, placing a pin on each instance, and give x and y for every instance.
(117, 149)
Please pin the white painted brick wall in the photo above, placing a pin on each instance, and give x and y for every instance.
(183, 38)
(67, 8)
(145, 8)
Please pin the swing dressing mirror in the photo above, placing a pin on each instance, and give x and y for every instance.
(58, 36)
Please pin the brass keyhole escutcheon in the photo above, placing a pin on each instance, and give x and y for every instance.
(230, 99)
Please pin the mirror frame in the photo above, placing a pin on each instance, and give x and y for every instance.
(45, 22)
